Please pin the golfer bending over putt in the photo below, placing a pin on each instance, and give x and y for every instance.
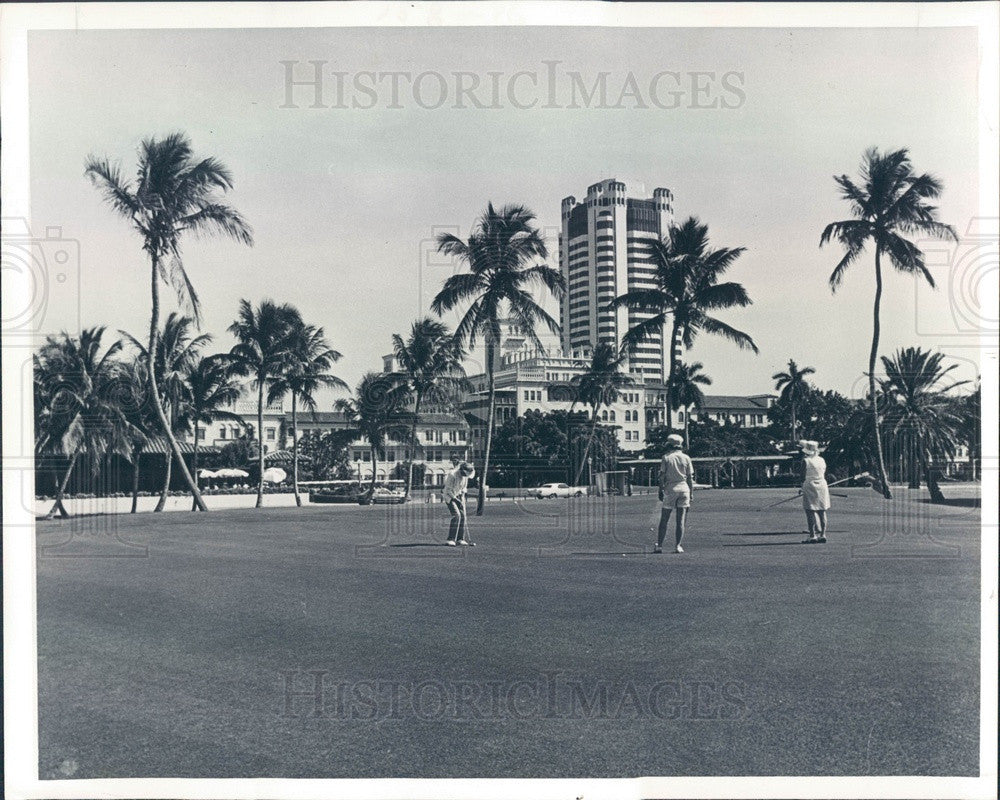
(676, 488)
(815, 492)
(455, 486)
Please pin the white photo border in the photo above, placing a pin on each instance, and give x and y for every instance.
(20, 667)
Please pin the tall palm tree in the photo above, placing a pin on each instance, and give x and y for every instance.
(177, 351)
(430, 364)
(81, 387)
(262, 350)
(687, 289)
(174, 193)
(793, 387)
(376, 414)
(501, 254)
(889, 204)
(920, 414)
(600, 385)
(305, 371)
(211, 390)
(687, 393)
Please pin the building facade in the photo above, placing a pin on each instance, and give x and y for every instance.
(747, 412)
(605, 251)
(540, 382)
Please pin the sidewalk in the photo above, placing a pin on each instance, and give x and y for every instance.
(122, 505)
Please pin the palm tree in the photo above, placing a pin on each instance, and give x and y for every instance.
(600, 385)
(306, 369)
(890, 203)
(139, 412)
(177, 351)
(174, 193)
(969, 410)
(793, 386)
(852, 448)
(687, 383)
(211, 389)
(687, 288)
(264, 344)
(376, 415)
(919, 414)
(81, 388)
(430, 364)
(500, 253)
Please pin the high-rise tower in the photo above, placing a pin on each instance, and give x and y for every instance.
(605, 251)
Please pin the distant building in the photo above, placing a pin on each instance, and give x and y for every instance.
(605, 251)
(745, 411)
(530, 381)
(441, 436)
(222, 431)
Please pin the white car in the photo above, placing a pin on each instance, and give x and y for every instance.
(560, 490)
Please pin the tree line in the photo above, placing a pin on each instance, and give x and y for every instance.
(89, 401)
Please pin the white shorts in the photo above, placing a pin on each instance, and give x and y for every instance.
(678, 496)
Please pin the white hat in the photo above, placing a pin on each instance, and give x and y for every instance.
(809, 447)
(675, 440)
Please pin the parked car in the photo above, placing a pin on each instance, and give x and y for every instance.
(336, 492)
(560, 490)
(388, 495)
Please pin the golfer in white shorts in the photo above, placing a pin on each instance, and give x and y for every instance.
(676, 488)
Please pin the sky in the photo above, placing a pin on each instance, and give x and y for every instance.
(345, 202)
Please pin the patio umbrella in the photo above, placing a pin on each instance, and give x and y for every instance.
(274, 475)
(229, 472)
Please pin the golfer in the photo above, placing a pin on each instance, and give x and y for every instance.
(456, 485)
(676, 488)
(815, 492)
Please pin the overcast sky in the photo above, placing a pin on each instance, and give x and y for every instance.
(344, 201)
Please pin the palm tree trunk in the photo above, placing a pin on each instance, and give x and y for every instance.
(194, 464)
(61, 489)
(135, 483)
(586, 450)
(937, 496)
(876, 330)
(371, 487)
(295, 454)
(687, 419)
(490, 412)
(260, 441)
(794, 425)
(154, 391)
(915, 463)
(413, 443)
(162, 502)
(675, 356)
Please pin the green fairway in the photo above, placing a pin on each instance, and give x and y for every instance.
(341, 641)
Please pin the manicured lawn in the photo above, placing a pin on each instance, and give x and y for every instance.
(167, 642)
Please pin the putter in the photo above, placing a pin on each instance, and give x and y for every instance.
(835, 483)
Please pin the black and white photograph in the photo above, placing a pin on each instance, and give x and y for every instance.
(545, 399)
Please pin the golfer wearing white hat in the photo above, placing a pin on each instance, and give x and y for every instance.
(676, 488)
(455, 486)
(815, 491)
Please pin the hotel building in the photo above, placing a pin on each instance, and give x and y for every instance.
(605, 251)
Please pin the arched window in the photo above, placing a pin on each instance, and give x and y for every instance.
(604, 416)
(613, 419)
